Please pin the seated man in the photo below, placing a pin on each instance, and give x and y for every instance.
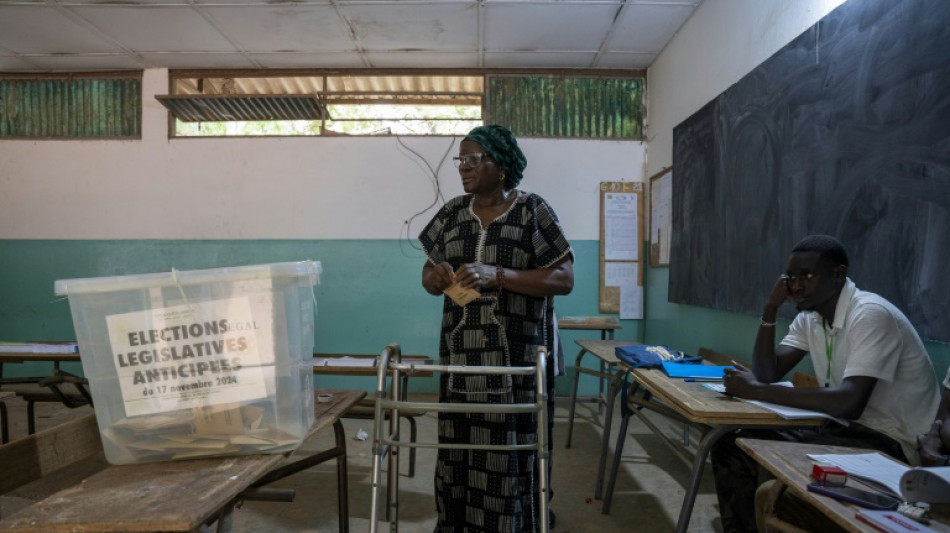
(934, 446)
(870, 362)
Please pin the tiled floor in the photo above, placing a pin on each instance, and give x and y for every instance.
(647, 498)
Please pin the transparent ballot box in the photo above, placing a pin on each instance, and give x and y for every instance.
(198, 363)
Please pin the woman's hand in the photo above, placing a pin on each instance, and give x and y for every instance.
(475, 275)
(437, 278)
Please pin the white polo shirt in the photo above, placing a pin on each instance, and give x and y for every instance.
(871, 337)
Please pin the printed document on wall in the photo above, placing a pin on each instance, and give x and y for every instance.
(631, 301)
(619, 274)
(620, 227)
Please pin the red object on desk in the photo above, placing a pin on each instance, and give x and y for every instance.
(829, 474)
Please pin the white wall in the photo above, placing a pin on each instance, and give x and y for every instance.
(278, 188)
(721, 42)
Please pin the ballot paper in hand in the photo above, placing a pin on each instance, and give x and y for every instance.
(460, 295)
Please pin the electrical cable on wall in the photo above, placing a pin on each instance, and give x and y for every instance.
(433, 175)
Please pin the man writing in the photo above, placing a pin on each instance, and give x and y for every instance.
(870, 362)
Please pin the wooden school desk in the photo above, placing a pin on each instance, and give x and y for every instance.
(612, 371)
(178, 496)
(57, 386)
(607, 325)
(713, 413)
(363, 365)
(789, 463)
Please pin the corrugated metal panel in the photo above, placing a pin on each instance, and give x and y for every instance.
(76, 108)
(607, 108)
(308, 84)
(198, 108)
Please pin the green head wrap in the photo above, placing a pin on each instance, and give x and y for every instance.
(503, 147)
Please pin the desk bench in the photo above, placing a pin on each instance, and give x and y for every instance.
(148, 497)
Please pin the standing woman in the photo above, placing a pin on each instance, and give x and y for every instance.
(508, 245)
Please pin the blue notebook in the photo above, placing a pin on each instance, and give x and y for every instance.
(687, 370)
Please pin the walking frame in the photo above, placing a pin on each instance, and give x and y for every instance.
(389, 443)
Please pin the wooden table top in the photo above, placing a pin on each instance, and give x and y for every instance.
(170, 496)
(369, 370)
(690, 399)
(602, 323)
(604, 349)
(789, 462)
(29, 357)
(704, 406)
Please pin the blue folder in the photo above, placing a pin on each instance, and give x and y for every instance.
(687, 370)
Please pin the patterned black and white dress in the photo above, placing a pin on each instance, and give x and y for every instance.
(478, 490)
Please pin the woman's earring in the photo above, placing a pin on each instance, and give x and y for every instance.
(502, 177)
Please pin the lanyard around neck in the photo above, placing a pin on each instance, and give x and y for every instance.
(829, 349)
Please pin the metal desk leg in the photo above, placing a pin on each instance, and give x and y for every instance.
(570, 415)
(696, 474)
(343, 496)
(612, 389)
(615, 464)
(338, 452)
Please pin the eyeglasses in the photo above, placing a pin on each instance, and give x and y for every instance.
(469, 160)
(804, 277)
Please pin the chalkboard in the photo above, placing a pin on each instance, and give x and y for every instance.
(844, 131)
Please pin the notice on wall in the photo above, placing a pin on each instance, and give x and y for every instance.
(618, 274)
(621, 231)
(197, 355)
(631, 301)
(661, 217)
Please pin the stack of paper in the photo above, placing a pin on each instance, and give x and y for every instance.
(931, 485)
(790, 413)
(874, 468)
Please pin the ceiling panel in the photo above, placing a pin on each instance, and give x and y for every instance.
(282, 29)
(624, 60)
(45, 30)
(427, 58)
(310, 60)
(581, 60)
(156, 29)
(199, 60)
(547, 27)
(647, 28)
(82, 35)
(404, 26)
(65, 63)
(14, 64)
